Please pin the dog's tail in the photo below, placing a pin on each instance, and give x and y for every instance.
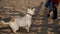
(4, 22)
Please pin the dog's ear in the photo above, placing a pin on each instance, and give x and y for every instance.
(34, 9)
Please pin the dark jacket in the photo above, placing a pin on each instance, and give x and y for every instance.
(55, 1)
(50, 5)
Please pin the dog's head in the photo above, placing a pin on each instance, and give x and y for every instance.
(31, 10)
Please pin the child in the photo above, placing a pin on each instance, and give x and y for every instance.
(53, 4)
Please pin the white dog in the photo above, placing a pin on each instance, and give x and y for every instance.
(25, 21)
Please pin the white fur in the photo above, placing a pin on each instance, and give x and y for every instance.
(22, 21)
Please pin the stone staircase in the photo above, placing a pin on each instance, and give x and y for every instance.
(40, 24)
(47, 25)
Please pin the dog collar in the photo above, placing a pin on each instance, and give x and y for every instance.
(29, 14)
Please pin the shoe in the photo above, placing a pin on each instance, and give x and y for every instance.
(55, 19)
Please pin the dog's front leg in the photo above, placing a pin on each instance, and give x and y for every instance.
(27, 29)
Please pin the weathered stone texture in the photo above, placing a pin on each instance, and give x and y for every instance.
(19, 5)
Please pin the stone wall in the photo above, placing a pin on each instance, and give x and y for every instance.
(19, 5)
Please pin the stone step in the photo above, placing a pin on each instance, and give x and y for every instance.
(37, 21)
(39, 18)
(58, 17)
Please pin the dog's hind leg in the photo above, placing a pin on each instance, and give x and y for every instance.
(14, 30)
